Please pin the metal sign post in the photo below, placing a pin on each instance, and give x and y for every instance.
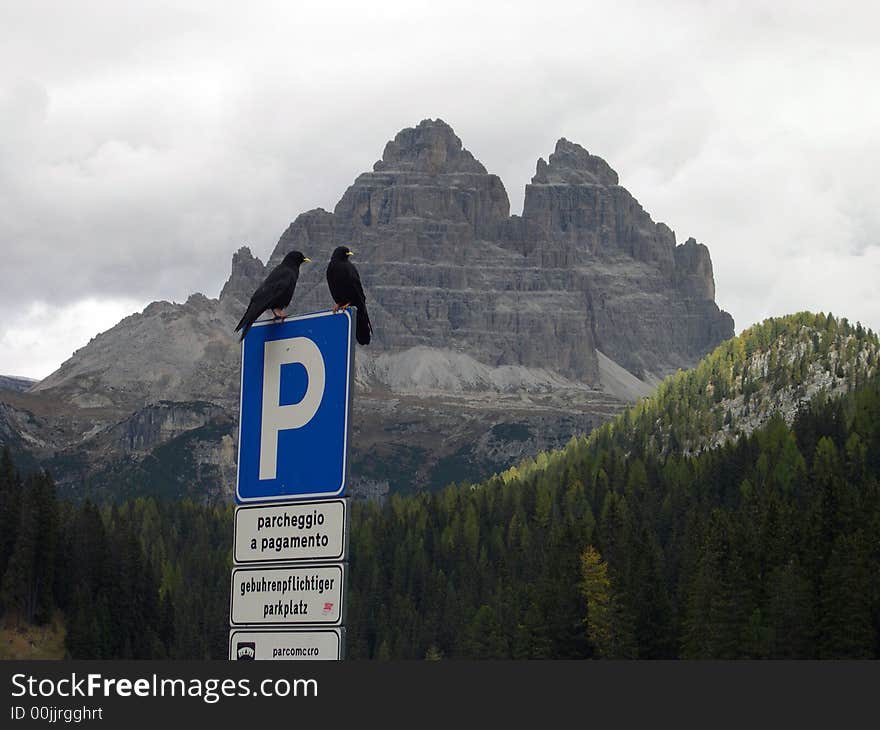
(290, 550)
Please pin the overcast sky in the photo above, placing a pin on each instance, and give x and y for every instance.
(142, 143)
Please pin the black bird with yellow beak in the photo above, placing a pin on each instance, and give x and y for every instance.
(347, 291)
(275, 292)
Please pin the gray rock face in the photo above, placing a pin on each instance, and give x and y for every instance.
(160, 422)
(425, 225)
(18, 384)
(247, 273)
(650, 302)
(180, 352)
(469, 305)
(584, 267)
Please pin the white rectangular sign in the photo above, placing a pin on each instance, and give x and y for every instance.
(286, 645)
(288, 594)
(292, 531)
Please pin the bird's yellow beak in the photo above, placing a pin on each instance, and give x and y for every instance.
(349, 253)
(307, 260)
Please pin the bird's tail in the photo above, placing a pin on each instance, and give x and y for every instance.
(363, 329)
(246, 321)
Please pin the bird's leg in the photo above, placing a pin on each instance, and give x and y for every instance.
(335, 308)
(345, 306)
(279, 313)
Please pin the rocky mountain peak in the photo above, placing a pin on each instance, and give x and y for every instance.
(247, 273)
(428, 184)
(693, 270)
(571, 164)
(432, 147)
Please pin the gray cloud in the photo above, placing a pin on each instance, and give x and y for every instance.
(140, 146)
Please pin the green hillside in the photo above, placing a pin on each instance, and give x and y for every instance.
(771, 369)
(640, 541)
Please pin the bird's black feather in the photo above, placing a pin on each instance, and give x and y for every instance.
(276, 291)
(346, 288)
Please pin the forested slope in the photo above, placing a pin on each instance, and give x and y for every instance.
(767, 545)
(145, 579)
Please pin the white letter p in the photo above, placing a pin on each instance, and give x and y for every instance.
(281, 418)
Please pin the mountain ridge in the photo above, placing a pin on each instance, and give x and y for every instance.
(468, 303)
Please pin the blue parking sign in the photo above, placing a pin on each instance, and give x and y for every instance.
(296, 386)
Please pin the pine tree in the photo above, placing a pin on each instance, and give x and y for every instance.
(483, 637)
(10, 506)
(846, 622)
(608, 626)
(27, 587)
(791, 612)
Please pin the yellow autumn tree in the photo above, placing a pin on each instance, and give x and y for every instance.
(607, 627)
(596, 589)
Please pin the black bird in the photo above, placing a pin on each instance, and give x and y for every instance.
(275, 292)
(347, 291)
